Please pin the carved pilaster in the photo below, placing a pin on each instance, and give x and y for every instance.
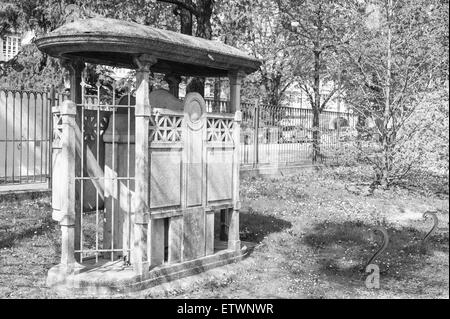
(235, 107)
(140, 248)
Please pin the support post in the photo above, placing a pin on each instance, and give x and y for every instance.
(50, 104)
(55, 155)
(235, 105)
(67, 186)
(140, 258)
(75, 68)
(256, 136)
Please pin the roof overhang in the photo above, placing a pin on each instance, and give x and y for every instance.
(116, 43)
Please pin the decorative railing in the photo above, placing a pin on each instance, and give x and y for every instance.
(219, 129)
(165, 128)
(56, 127)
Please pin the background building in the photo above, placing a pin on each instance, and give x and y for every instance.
(9, 46)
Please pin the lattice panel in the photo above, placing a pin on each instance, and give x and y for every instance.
(219, 130)
(165, 128)
(90, 124)
(57, 129)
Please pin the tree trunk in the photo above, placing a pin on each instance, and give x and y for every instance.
(386, 142)
(186, 21)
(316, 136)
(316, 107)
(204, 13)
(360, 125)
(204, 30)
(196, 84)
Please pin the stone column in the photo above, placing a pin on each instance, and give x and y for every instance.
(235, 107)
(66, 186)
(140, 258)
(174, 81)
(75, 68)
(256, 135)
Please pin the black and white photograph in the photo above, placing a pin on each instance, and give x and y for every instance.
(217, 156)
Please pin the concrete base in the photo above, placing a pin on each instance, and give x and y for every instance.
(110, 277)
(19, 189)
(275, 171)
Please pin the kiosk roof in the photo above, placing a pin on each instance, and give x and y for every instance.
(115, 42)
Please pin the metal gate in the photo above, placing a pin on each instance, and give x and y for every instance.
(101, 140)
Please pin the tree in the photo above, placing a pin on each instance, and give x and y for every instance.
(202, 10)
(255, 26)
(37, 70)
(394, 71)
(47, 15)
(316, 30)
(8, 18)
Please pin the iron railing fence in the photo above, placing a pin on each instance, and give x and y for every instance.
(25, 134)
(269, 136)
(284, 135)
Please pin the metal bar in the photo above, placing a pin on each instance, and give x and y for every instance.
(14, 135)
(82, 174)
(96, 189)
(290, 117)
(34, 143)
(113, 167)
(276, 112)
(128, 173)
(19, 139)
(292, 114)
(287, 147)
(101, 178)
(45, 140)
(50, 135)
(6, 136)
(303, 136)
(21, 117)
(42, 133)
(28, 136)
(84, 251)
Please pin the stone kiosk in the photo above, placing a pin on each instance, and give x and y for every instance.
(146, 186)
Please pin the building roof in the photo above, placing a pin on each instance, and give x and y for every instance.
(115, 42)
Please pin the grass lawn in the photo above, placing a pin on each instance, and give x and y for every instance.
(313, 233)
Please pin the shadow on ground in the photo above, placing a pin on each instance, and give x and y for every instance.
(254, 226)
(19, 197)
(10, 235)
(23, 216)
(342, 250)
